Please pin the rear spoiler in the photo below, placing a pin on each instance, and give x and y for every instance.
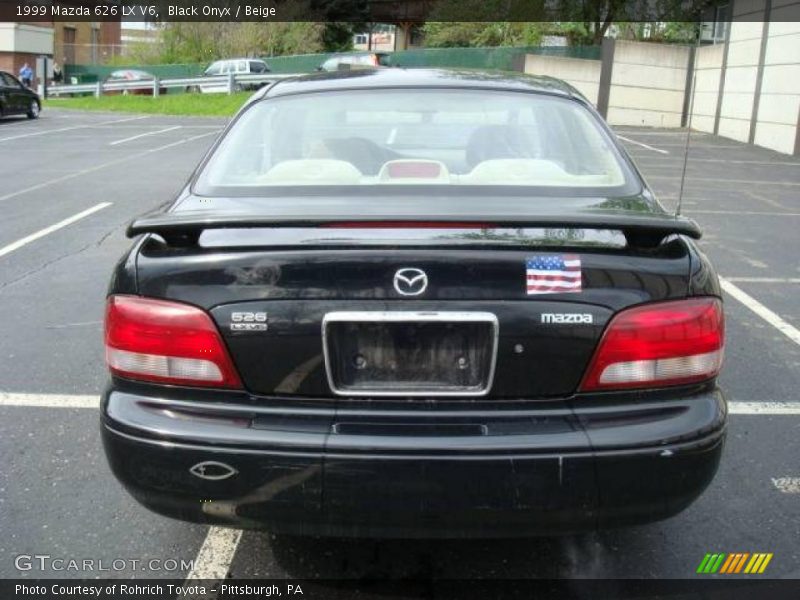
(640, 229)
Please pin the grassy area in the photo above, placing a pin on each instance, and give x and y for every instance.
(207, 105)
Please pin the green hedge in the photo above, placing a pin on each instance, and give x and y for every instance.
(297, 63)
(92, 73)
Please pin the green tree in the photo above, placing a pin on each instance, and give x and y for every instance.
(188, 42)
(588, 21)
(659, 31)
(499, 33)
(342, 18)
(582, 22)
(338, 37)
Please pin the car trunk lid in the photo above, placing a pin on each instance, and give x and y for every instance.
(270, 290)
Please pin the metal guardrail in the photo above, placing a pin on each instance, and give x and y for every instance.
(230, 83)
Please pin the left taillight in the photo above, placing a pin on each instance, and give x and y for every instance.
(657, 345)
(166, 342)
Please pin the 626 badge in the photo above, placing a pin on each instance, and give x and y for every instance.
(248, 321)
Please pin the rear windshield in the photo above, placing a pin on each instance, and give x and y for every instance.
(466, 138)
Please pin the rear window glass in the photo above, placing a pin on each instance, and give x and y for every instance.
(422, 137)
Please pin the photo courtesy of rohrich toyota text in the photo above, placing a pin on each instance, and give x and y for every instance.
(368, 299)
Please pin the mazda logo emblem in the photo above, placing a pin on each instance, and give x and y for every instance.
(410, 282)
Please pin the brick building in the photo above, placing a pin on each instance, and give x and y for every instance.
(24, 42)
(78, 42)
(86, 43)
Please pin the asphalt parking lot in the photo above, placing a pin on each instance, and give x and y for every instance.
(71, 181)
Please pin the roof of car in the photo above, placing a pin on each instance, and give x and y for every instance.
(357, 53)
(222, 60)
(435, 78)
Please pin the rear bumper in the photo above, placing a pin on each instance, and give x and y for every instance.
(395, 473)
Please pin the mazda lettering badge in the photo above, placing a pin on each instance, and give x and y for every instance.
(410, 282)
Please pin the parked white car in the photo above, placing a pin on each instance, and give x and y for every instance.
(239, 66)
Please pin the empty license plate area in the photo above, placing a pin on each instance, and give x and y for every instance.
(410, 353)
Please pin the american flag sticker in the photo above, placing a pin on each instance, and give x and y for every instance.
(553, 274)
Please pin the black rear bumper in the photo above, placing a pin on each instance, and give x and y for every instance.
(425, 473)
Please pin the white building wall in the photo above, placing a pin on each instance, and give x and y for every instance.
(30, 39)
(648, 80)
(583, 75)
(741, 74)
(779, 103)
(647, 84)
(708, 71)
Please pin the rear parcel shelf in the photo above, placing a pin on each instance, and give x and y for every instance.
(641, 230)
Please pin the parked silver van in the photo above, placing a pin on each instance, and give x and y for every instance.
(239, 66)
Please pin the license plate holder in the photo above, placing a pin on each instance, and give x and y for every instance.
(405, 353)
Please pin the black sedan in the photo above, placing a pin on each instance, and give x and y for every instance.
(17, 99)
(415, 304)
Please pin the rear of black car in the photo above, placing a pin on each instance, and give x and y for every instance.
(414, 361)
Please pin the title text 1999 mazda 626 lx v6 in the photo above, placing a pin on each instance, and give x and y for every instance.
(415, 303)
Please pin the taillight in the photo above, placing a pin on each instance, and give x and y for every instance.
(669, 343)
(166, 342)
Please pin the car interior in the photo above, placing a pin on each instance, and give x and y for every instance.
(528, 142)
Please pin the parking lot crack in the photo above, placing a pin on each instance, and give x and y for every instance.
(45, 265)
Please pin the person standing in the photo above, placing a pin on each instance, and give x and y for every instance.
(26, 75)
(58, 75)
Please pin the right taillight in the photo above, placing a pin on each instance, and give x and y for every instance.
(656, 345)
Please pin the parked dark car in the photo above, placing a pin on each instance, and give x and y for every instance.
(133, 76)
(17, 99)
(355, 60)
(417, 303)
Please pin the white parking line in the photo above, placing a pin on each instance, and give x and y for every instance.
(47, 230)
(717, 180)
(694, 159)
(742, 213)
(190, 139)
(764, 279)
(787, 485)
(647, 133)
(141, 135)
(216, 554)
(72, 128)
(185, 126)
(762, 311)
(643, 145)
(110, 163)
(49, 400)
(764, 408)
